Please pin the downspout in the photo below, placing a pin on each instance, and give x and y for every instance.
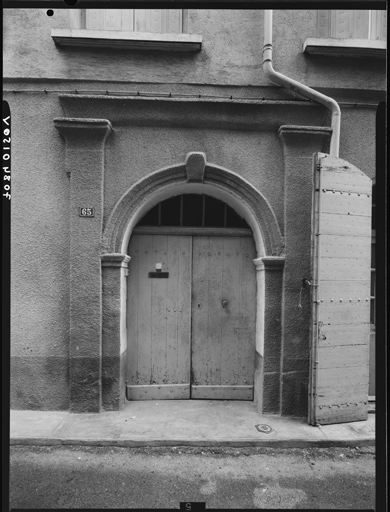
(284, 81)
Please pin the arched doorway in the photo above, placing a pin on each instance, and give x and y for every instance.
(191, 302)
(194, 176)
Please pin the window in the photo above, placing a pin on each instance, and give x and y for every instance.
(160, 21)
(348, 24)
(134, 29)
(349, 33)
(193, 210)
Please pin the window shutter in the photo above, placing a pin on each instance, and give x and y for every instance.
(112, 19)
(341, 232)
(128, 20)
(378, 25)
(174, 21)
(342, 24)
(383, 24)
(95, 19)
(360, 24)
(323, 23)
(155, 21)
(159, 21)
(140, 20)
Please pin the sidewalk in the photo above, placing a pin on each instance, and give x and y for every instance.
(184, 423)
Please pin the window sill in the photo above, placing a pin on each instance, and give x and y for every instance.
(127, 40)
(358, 48)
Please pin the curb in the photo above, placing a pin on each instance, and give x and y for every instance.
(271, 443)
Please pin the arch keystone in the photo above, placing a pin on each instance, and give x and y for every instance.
(195, 166)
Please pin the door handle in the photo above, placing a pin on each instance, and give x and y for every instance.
(225, 303)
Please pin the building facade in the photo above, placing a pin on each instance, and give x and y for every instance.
(165, 208)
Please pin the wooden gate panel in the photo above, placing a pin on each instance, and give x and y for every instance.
(343, 334)
(341, 291)
(223, 318)
(206, 311)
(337, 247)
(178, 309)
(345, 225)
(158, 321)
(139, 312)
(230, 292)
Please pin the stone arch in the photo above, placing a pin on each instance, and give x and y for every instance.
(195, 175)
(216, 181)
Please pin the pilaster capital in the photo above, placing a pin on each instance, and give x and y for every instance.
(303, 141)
(87, 134)
(269, 263)
(115, 260)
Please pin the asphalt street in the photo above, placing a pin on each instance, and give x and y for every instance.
(264, 478)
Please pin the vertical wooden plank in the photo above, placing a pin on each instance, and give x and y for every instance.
(216, 257)
(323, 23)
(75, 18)
(178, 302)
(383, 19)
(159, 319)
(184, 292)
(378, 25)
(185, 28)
(174, 21)
(371, 383)
(360, 24)
(342, 23)
(144, 309)
(230, 370)
(112, 19)
(172, 309)
(154, 21)
(200, 310)
(140, 20)
(127, 18)
(94, 19)
(132, 311)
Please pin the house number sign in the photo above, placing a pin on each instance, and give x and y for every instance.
(86, 212)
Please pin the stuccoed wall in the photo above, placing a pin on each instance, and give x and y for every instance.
(231, 52)
(39, 257)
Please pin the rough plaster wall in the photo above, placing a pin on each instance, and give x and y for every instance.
(231, 52)
(357, 140)
(39, 256)
(135, 152)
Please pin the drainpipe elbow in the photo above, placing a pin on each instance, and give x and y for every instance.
(308, 92)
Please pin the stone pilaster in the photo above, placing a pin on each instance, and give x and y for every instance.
(268, 350)
(299, 145)
(85, 142)
(114, 338)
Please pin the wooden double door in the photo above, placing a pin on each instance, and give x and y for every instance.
(191, 312)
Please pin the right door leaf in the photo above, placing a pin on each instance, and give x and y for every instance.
(341, 249)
